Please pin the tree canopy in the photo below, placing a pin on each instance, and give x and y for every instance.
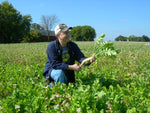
(121, 38)
(144, 38)
(36, 26)
(34, 36)
(14, 26)
(83, 33)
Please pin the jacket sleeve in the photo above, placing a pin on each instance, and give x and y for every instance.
(79, 55)
(53, 58)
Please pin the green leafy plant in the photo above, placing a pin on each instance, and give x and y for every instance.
(102, 48)
(106, 86)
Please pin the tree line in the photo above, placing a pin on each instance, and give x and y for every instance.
(15, 27)
(143, 38)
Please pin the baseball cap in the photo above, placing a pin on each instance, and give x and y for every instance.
(61, 27)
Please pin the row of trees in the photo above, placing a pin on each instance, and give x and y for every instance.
(133, 38)
(15, 27)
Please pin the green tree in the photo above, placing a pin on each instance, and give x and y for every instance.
(34, 36)
(121, 38)
(76, 33)
(83, 33)
(26, 23)
(14, 27)
(35, 26)
(132, 38)
(139, 39)
(145, 38)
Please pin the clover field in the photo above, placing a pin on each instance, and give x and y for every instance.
(120, 85)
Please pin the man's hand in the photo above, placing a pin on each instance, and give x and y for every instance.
(74, 67)
(92, 59)
(88, 60)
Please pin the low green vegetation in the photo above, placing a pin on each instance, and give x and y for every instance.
(117, 85)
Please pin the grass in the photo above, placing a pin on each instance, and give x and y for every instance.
(108, 85)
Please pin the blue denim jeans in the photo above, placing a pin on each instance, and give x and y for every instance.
(58, 75)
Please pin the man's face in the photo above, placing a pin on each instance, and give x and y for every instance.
(64, 36)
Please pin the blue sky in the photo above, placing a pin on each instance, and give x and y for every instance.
(112, 17)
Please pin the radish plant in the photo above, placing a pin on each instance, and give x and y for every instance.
(102, 48)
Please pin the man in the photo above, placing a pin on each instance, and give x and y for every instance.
(61, 55)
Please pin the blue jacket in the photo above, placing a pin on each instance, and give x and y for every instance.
(54, 55)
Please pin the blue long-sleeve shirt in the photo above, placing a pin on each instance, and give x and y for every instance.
(54, 55)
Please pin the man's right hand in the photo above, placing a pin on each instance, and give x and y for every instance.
(74, 67)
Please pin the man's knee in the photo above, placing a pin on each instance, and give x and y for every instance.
(59, 76)
(60, 72)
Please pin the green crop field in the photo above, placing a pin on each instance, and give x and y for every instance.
(120, 85)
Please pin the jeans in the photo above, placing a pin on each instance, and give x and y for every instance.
(58, 75)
